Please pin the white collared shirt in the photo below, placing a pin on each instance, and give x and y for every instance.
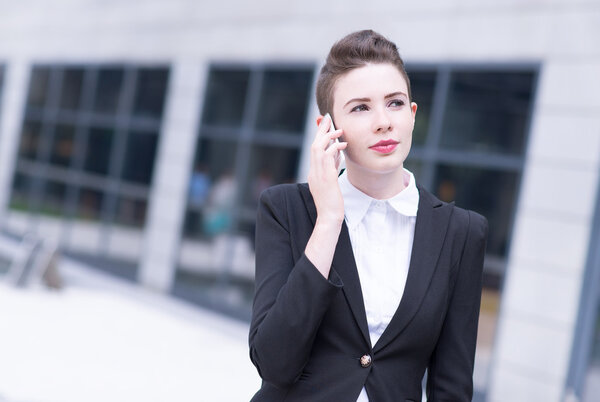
(381, 233)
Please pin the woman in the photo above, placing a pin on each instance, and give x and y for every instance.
(365, 280)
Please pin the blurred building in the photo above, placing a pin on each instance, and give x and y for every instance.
(140, 134)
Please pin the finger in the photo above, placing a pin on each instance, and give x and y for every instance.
(333, 151)
(336, 146)
(335, 134)
(325, 141)
(324, 126)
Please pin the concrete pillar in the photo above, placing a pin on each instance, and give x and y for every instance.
(12, 105)
(170, 184)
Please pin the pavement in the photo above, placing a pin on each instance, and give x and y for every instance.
(104, 339)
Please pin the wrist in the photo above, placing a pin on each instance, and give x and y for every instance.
(327, 223)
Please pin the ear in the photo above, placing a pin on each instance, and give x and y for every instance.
(413, 108)
(319, 120)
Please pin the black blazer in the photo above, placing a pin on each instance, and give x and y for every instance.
(308, 334)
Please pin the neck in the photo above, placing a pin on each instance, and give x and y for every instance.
(380, 186)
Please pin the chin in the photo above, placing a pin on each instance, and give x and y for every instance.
(384, 168)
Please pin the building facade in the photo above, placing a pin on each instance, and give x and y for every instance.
(138, 137)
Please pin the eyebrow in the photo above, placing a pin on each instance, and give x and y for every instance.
(369, 99)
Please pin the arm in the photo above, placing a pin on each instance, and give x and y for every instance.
(292, 297)
(450, 371)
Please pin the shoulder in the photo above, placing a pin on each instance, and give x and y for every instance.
(284, 190)
(283, 194)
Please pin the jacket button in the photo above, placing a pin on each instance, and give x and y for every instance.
(365, 361)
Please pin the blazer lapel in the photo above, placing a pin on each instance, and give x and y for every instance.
(344, 265)
(430, 230)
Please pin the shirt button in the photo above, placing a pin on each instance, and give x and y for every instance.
(365, 361)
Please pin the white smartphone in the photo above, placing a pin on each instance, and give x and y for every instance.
(340, 159)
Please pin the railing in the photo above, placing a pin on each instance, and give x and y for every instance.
(32, 261)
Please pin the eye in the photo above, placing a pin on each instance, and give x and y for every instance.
(396, 103)
(359, 108)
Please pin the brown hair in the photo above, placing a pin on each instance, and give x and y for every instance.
(353, 51)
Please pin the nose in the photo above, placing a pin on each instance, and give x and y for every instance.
(382, 122)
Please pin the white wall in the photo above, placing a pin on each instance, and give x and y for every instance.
(552, 224)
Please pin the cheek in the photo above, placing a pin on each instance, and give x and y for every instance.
(353, 145)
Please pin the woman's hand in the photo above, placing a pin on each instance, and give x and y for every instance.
(324, 187)
(323, 173)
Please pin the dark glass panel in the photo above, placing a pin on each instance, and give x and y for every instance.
(108, 90)
(97, 156)
(491, 193)
(150, 92)
(225, 97)
(53, 198)
(269, 165)
(38, 87)
(140, 153)
(192, 226)
(63, 145)
(30, 140)
(284, 100)
(488, 111)
(70, 96)
(217, 158)
(131, 212)
(414, 166)
(21, 185)
(422, 87)
(213, 204)
(90, 204)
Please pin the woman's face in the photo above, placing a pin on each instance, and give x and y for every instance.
(371, 105)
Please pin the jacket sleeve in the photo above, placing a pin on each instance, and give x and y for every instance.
(450, 371)
(291, 297)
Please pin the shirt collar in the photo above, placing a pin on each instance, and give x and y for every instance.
(357, 203)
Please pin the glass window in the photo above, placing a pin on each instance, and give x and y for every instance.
(150, 92)
(140, 153)
(108, 90)
(487, 191)
(213, 189)
(89, 204)
(63, 145)
(283, 105)
(99, 146)
(20, 192)
(72, 85)
(244, 146)
(487, 111)
(82, 142)
(269, 165)
(53, 197)
(131, 212)
(38, 87)
(415, 166)
(225, 97)
(217, 156)
(30, 139)
(422, 87)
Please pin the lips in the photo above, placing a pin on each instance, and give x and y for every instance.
(385, 146)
